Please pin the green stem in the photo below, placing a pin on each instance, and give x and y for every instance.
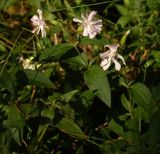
(3, 67)
(74, 7)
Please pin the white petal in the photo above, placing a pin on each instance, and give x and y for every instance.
(103, 55)
(104, 62)
(105, 67)
(91, 31)
(97, 25)
(38, 30)
(35, 20)
(92, 35)
(43, 32)
(85, 32)
(120, 57)
(35, 29)
(84, 17)
(91, 15)
(77, 20)
(112, 47)
(40, 13)
(117, 64)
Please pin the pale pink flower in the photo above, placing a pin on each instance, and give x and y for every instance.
(110, 56)
(39, 24)
(90, 27)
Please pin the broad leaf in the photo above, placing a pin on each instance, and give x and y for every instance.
(97, 81)
(36, 78)
(66, 97)
(7, 82)
(140, 94)
(124, 20)
(79, 61)
(69, 127)
(56, 51)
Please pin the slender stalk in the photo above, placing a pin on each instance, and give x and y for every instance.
(3, 67)
(79, 6)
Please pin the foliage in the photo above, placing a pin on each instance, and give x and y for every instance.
(54, 96)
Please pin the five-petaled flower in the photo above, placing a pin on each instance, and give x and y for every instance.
(110, 56)
(90, 27)
(39, 24)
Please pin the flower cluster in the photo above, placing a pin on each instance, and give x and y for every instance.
(91, 28)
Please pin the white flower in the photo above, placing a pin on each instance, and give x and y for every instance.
(39, 24)
(110, 56)
(28, 64)
(91, 27)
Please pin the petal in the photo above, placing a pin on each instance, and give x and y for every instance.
(40, 13)
(105, 67)
(35, 29)
(97, 23)
(91, 15)
(112, 47)
(103, 55)
(120, 57)
(104, 62)
(117, 64)
(85, 32)
(35, 20)
(43, 32)
(92, 35)
(38, 30)
(77, 20)
(84, 17)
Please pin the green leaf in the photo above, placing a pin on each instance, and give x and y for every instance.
(153, 4)
(87, 98)
(15, 119)
(140, 94)
(114, 126)
(35, 4)
(126, 104)
(124, 37)
(122, 9)
(36, 78)
(154, 128)
(55, 52)
(124, 20)
(7, 82)
(2, 47)
(66, 97)
(69, 127)
(9, 3)
(97, 81)
(15, 123)
(79, 61)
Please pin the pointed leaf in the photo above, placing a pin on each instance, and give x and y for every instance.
(69, 127)
(97, 81)
(66, 97)
(37, 78)
(55, 51)
(140, 94)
